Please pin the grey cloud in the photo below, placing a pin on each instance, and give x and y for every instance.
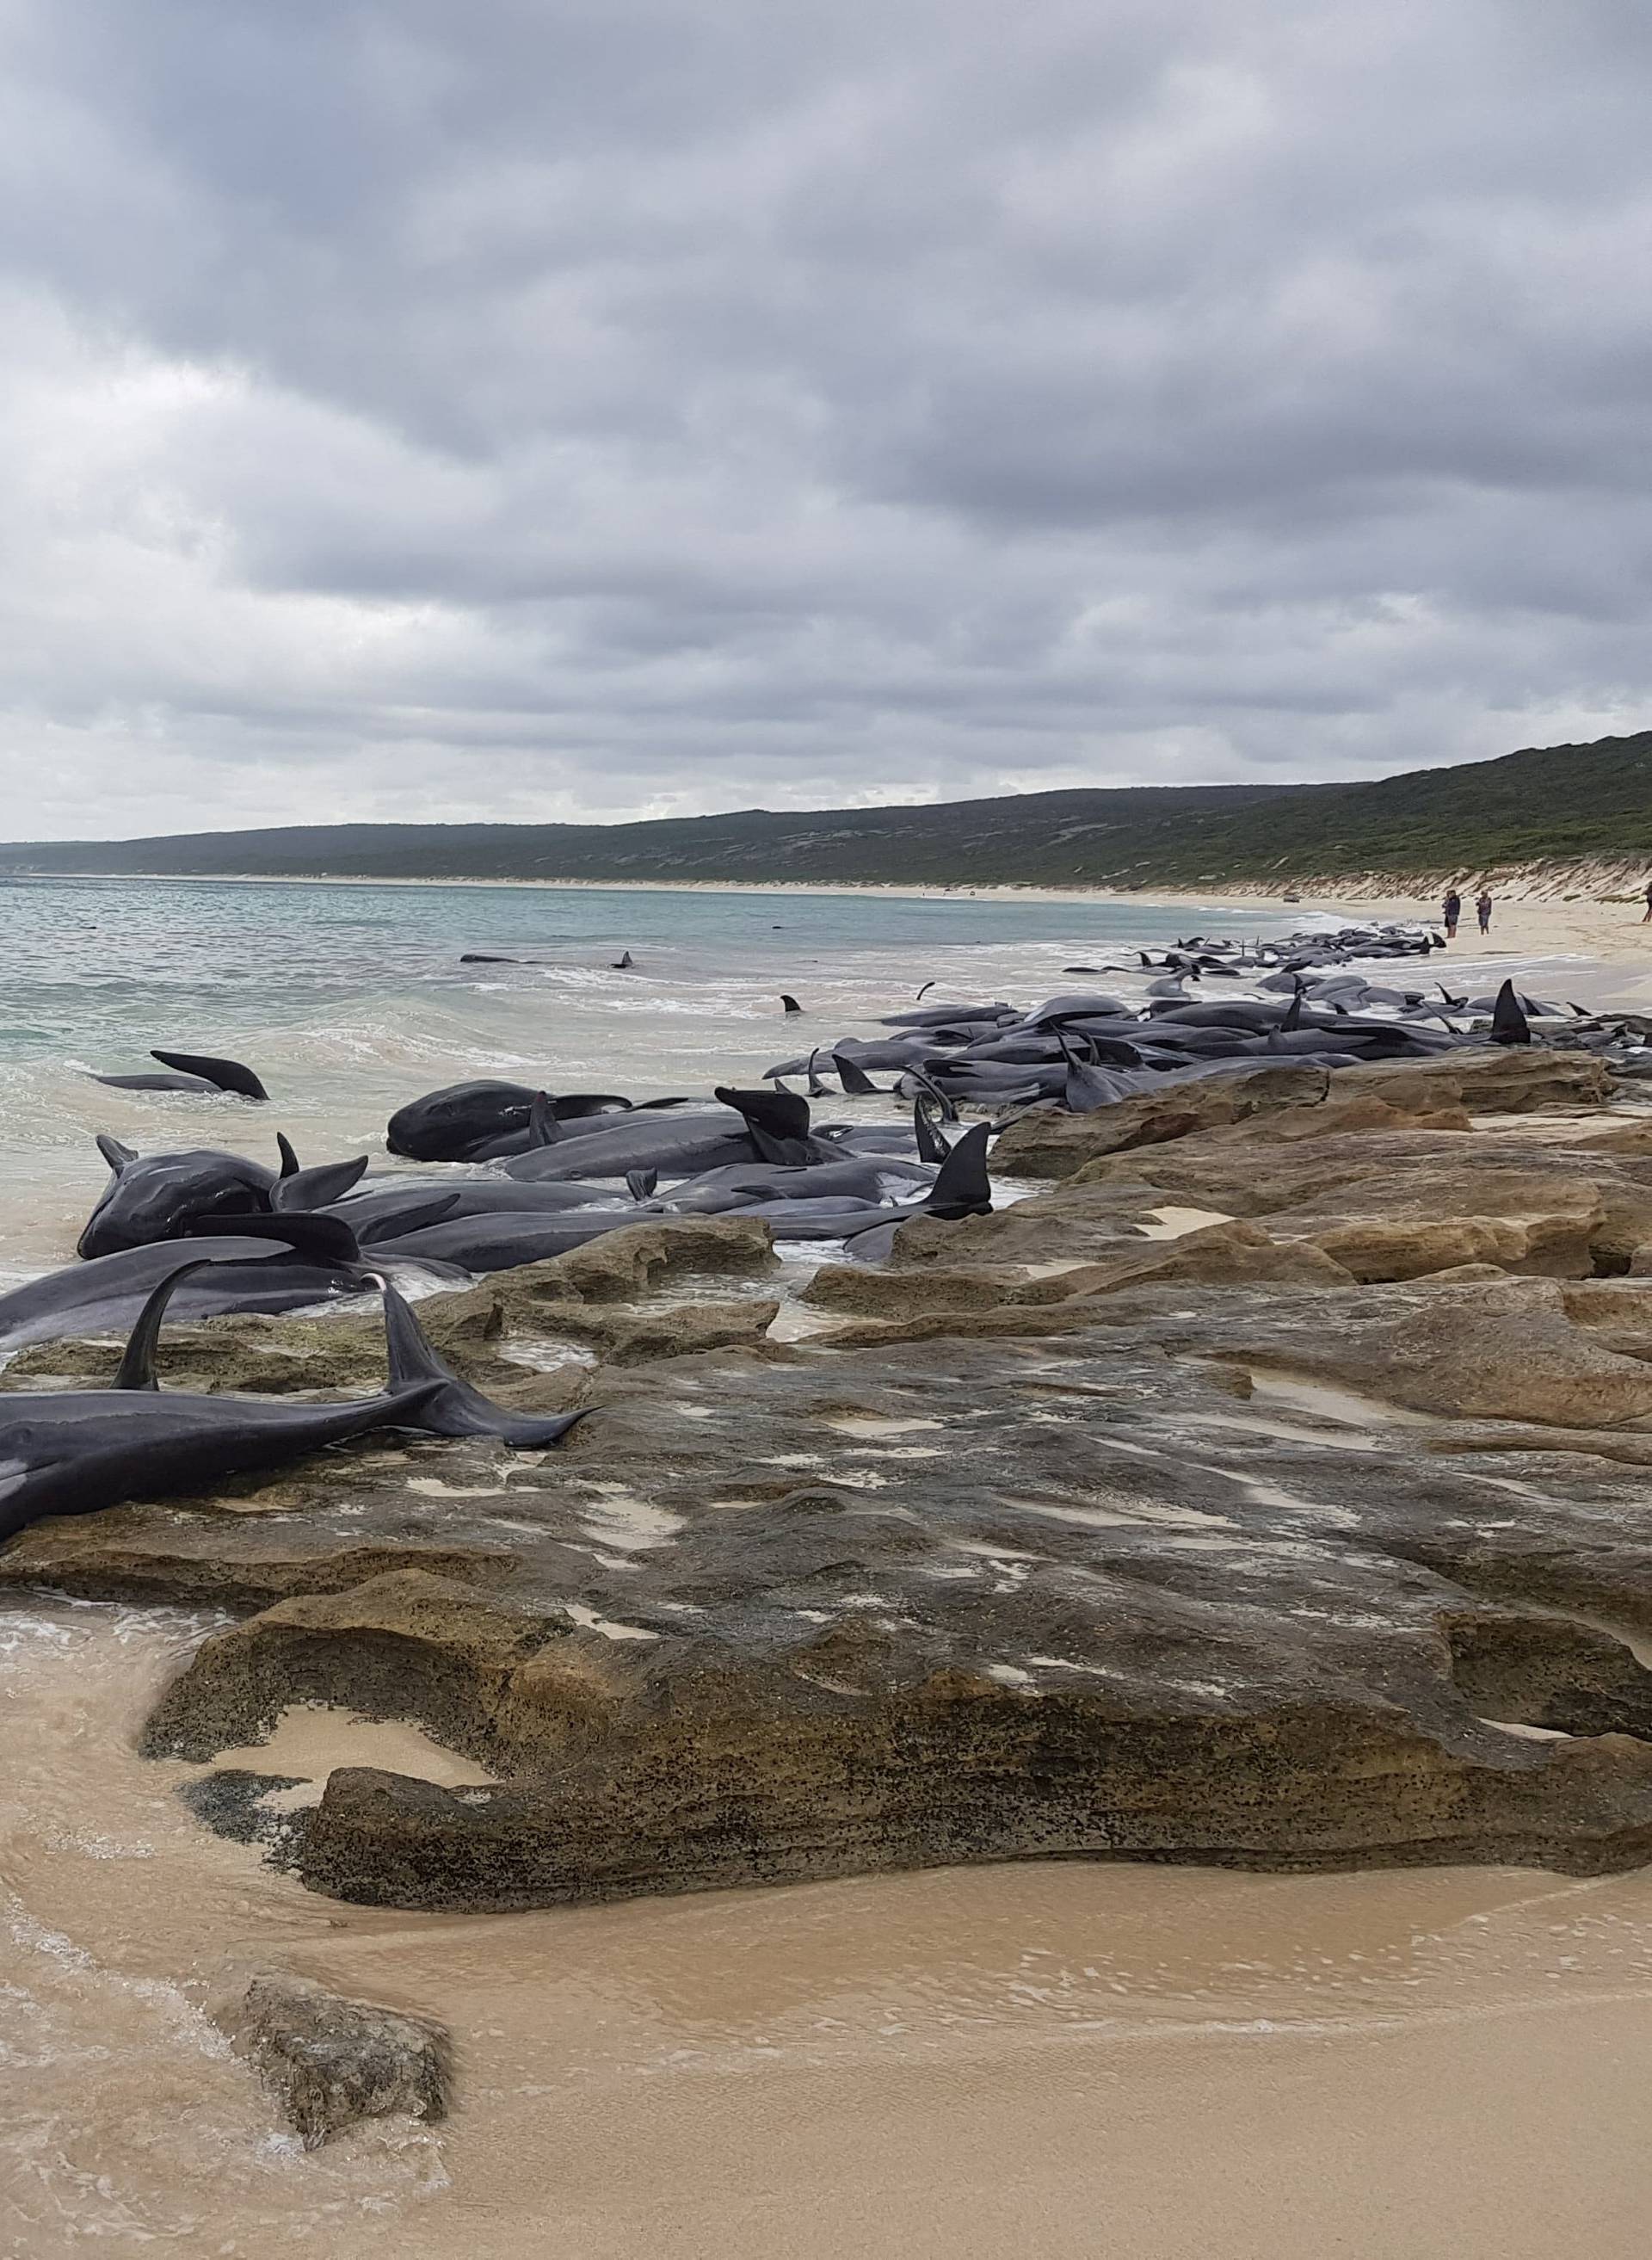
(541, 409)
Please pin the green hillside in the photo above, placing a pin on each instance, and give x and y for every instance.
(1545, 805)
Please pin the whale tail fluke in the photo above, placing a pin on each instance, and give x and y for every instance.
(226, 1074)
(407, 1346)
(449, 1406)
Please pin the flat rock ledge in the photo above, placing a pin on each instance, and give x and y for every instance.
(1270, 1493)
(332, 2062)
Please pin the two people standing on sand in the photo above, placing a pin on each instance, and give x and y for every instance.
(1451, 911)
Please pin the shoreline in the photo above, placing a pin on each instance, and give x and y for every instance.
(1531, 924)
(916, 890)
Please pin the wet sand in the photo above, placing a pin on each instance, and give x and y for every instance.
(1060, 2059)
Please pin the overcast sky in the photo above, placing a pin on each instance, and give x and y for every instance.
(592, 408)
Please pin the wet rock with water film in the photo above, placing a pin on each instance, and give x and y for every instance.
(332, 2061)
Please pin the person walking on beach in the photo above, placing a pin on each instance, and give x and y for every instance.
(1647, 920)
(1483, 911)
(1451, 911)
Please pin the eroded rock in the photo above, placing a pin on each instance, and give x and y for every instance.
(1127, 1591)
(332, 2061)
(1072, 1538)
(1047, 1142)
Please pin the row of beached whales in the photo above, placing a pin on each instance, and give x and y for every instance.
(551, 1173)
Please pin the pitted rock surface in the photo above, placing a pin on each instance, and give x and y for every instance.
(1102, 1594)
(1056, 1538)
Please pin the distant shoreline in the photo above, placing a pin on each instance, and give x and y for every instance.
(917, 892)
(1604, 925)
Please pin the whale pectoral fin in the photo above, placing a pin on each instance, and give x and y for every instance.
(325, 1239)
(544, 1129)
(401, 1221)
(643, 1185)
(932, 1146)
(227, 1074)
(137, 1369)
(317, 1187)
(114, 1153)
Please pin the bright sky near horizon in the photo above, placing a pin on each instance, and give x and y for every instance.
(548, 409)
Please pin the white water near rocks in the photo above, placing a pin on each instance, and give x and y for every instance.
(1061, 2060)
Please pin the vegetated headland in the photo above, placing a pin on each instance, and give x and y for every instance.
(1551, 817)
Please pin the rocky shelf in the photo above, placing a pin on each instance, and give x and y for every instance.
(1269, 1490)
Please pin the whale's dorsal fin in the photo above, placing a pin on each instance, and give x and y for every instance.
(137, 1367)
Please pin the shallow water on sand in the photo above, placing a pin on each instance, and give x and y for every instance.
(1064, 2059)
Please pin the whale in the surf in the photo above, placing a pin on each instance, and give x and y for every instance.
(372, 1211)
(190, 1071)
(962, 1188)
(485, 1119)
(500, 1243)
(764, 1125)
(161, 1195)
(78, 1451)
(733, 1188)
(482, 1243)
(266, 1264)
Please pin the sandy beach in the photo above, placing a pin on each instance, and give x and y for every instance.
(1530, 919)
(1060, 2058)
